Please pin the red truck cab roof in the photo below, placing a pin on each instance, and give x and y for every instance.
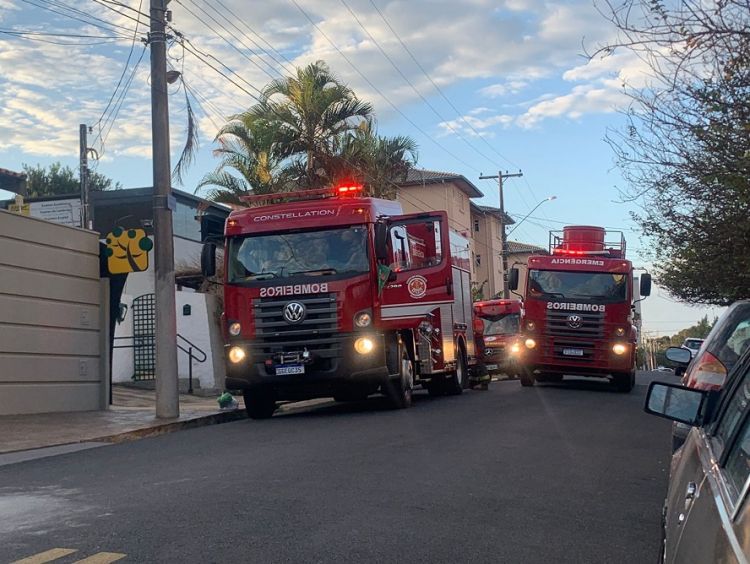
(309, 213)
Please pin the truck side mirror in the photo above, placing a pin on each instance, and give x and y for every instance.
(381, 241)
(208, 259)
(513, 279)
(645, 284)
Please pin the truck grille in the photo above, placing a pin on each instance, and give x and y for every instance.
(582, 338)
(317, 333)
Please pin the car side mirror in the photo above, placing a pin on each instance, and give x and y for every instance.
(513, 279)
(675, 402)
(208, 260)
(678, 355)
(381, 241)
(645, 284)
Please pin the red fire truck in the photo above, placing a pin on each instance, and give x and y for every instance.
(497, 327)
(578, 309)
(328, 293)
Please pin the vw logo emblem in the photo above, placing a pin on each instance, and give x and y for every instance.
(575, 321)
(294, 312)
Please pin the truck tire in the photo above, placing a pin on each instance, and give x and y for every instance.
(259, 404)
(527, 377)
(624, 381)
(455, 383)
(399, 390)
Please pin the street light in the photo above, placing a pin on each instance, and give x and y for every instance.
(548, 199)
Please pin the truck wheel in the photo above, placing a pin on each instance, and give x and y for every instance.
(399, 390)
(455, 383)
(259, 404)
(527, 377)
(624, 381)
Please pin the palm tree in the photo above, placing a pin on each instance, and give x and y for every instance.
(247, 144)
(378, 162)
(309, 111)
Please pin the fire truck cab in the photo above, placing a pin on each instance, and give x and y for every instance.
(579, 308)
(328, 293)
(497, 327)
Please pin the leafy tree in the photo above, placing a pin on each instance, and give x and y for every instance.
(308, 130)
(251, 162)
(60, 180)
(685, 151)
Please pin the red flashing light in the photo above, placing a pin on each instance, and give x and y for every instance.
(349, 189)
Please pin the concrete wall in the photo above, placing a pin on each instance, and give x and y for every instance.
(53, 330)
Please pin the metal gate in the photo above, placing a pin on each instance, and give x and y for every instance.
(144, 329)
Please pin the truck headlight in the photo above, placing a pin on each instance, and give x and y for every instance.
(530, 343)
(236, 355)
(235, 329)
(620, 331)
(515, 348)
(364, 345)
(619, 349)
(363, 319)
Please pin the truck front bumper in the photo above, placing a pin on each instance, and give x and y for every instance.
(556, 358)
(323, 373)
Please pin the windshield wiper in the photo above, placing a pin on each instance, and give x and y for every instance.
(316, 271)
(553, 294)
(262, 275)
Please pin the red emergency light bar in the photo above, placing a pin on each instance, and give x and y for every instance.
(301, 195)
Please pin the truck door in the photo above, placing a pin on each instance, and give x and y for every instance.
(416, 275)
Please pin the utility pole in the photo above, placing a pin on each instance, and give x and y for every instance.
(83, 170)
(503, 239)
(167, 391)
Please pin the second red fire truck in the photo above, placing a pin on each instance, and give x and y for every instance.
(579, 309)
(497, 325)
(328, 293)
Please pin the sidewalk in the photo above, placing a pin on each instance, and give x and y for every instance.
(131, 417)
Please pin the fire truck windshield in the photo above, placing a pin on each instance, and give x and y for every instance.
(507, 324)
(305, 253)
(594, 286)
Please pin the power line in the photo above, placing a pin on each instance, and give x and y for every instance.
(120, 101)
(439, 90)
(376, 89)
(119, 82)
(231, 44)
(27, 37)
(70, 11)
(259, 36)
(410, 83)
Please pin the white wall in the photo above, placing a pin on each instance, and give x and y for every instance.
(201, 327)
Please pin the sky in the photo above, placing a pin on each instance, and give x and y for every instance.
(481, 85)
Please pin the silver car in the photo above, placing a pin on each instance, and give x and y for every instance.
(707, 509)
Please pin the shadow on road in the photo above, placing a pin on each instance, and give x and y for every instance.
(373, 404)
(582, 384)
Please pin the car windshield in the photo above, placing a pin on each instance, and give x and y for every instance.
(594, 286)
(506, 324)
(733, 338)
(693, 344)
(307, 253)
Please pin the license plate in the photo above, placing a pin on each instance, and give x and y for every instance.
(492, 367)
(573, 352)
(291, 369)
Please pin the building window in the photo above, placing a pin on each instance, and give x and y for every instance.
(476, 225)
(478, 260)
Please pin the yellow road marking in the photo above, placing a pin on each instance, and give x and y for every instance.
(102, 558)
(46, 556)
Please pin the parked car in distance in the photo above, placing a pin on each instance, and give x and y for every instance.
(706, 515)
(693, 345)
(663, 369)
(708, 368)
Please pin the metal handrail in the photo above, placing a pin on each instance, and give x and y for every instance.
(189, 351)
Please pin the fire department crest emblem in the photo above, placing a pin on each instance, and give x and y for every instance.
(417, 286)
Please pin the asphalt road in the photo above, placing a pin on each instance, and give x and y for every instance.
(556, 473)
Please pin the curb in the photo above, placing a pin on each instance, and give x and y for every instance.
(171, 427)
